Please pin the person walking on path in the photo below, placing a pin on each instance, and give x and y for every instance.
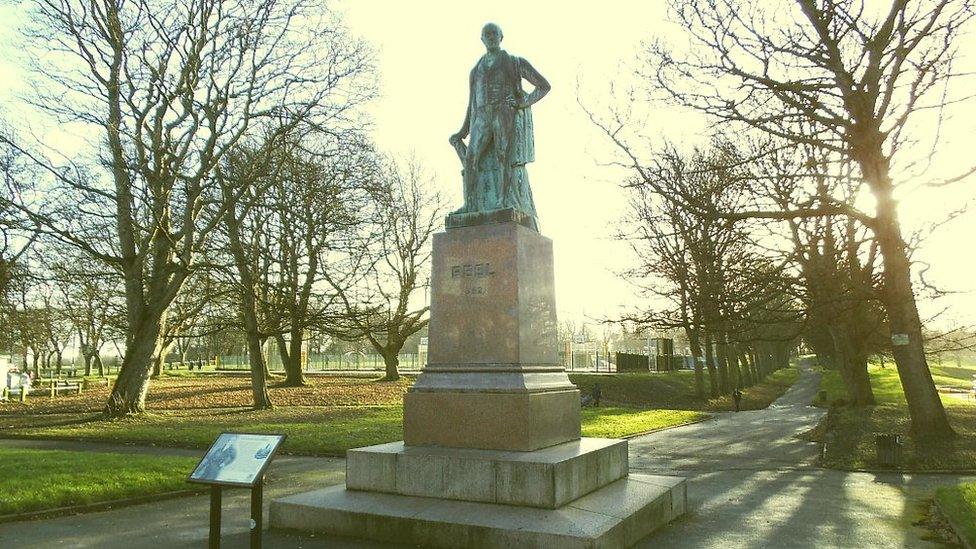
(737, 398)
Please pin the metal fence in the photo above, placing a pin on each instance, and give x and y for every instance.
(321, 362)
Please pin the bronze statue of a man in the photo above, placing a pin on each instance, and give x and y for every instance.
(499, 122)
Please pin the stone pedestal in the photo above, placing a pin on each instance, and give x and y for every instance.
(493, 379)
(492, 454)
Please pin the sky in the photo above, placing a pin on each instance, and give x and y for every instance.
(426, 49)
(424, 52)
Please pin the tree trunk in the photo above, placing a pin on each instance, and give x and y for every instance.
(291, 358)
(99, 365)
(261, 399)
(391, 360)
(710, 365)
(749, 377)
(129, 392)
(853, 367)
(259, 382)
(696, 352)
(723, 366)
(924, 405)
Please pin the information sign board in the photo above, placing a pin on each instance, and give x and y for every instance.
(236, 459)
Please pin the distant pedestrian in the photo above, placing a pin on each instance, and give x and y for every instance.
(737, 398)
(596, 394)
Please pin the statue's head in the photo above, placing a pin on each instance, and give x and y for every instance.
(491, 36)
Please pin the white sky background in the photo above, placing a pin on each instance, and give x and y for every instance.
(426, 50)
(424, 53)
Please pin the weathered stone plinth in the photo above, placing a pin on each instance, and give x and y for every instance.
(504, 215)
(617, 515)
(502, 421)
(550, 478)
(493, 378)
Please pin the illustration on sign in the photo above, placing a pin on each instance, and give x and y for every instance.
(236, 458)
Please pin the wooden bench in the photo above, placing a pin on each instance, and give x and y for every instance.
(89, 383)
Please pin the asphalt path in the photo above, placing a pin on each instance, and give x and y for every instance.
(752, 484)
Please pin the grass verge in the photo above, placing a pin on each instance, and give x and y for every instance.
(958, 503)
(613, 422)
(310, 430)
(34, 480)
(850, 432)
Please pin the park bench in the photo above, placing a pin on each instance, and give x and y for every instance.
(54, 387)
(89, 383)
(66, 371)
(49, 388)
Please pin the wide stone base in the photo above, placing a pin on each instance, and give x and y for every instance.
(499, 421)
(549, 478)
(617, 515)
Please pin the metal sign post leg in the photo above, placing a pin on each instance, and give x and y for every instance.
(257, 512)
(214, 517)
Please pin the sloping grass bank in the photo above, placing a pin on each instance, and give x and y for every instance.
(676, 390)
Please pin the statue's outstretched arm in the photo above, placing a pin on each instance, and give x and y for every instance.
(538, 81)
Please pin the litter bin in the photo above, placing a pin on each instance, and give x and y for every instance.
(888, 447)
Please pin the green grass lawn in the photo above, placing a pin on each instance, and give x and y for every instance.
(635, 403)
(959, 504)
(310, 430)
(887, 385)
(615, 422)
(850, 431)
(32, 480)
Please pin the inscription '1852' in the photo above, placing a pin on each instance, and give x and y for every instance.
(472, 269)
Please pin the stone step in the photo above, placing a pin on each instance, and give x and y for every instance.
(549, 478)
(617, 515)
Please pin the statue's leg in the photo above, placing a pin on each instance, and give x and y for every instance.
(503, 126)
(477, 146)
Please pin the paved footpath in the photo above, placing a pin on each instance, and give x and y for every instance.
(751, 485)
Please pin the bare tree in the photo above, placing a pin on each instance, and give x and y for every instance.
(16, 233)
(91, 299)
(295, 202)
(841, 77)
(172, 87)
(383, 311)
